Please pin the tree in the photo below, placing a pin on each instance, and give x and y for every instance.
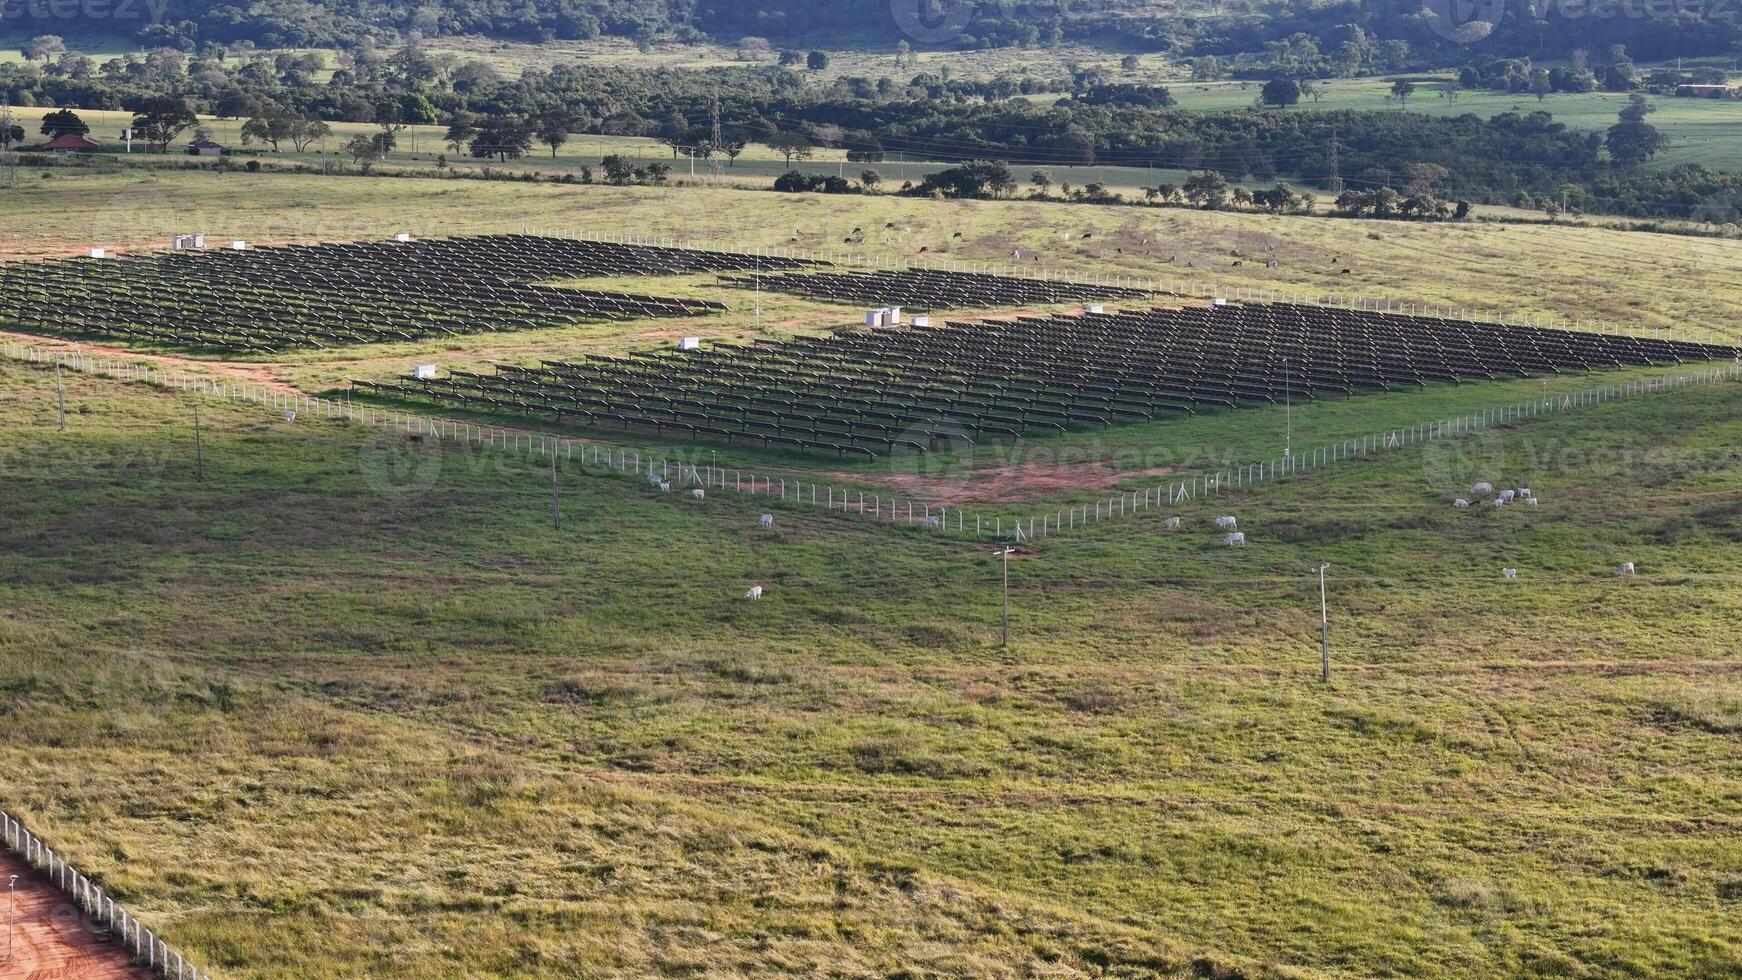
(617, 169)
(1540, 84)
(1280, 92)
(161, 118)
(1632, 142)
(1402, 89)
(363, 150)
(1128, 64)
(462, 128)
(791, 146)
(978, 179)
(554, 127)
(270, 129)
(504, 137)
(869, 179)
(1419, 178)
(305, 130)
(816, 60)
(42, 47)
(63, 121)
(11, 134)
(1042, 182)
(406, 109)
(1207, 189)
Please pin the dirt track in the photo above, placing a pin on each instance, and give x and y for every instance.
(51, 939)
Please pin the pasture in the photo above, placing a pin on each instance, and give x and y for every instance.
(379, 705)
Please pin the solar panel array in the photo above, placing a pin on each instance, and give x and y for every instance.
(867, 392)
(299, 296)
(932, 289)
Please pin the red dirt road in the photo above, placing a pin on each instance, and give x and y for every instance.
(50, 937)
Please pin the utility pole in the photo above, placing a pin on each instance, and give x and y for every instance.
(60, 396)
(1324, 629)
(556, 513)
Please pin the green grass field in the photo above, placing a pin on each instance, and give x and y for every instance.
(309, 722)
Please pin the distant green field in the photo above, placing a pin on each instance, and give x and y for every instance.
(1703, 131)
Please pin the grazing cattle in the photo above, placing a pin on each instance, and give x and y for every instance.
(1227, 523)
(664, 487)
(1482, 489)
(1460, 503)
(1508, 495)
(929, 522)
(1524, 491)
(766, 521)
(698, 493)
(1510, 573)
(754, 593)
(1345, 272)
(1530, 501)
(1626, 568)
(1235, 540)
(1172, 524)
(1499, 501)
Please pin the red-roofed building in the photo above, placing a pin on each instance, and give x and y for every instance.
(71, 143)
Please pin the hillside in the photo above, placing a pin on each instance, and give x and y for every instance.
(1416, 35)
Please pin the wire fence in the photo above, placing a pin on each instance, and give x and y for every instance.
(666, 474)
(104, 913)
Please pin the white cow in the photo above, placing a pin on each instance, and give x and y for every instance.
(1172, 524)
(1530, 501)
(1227, 523)
(1508, 496)
(754, 593)
(1626, 568)
(1481, 489)
(1510, 573)
(766, 521)
(1499, 501)
(698, 493)
(664, 487)
(1234, 540)
(1460, 503)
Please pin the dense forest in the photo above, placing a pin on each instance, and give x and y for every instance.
(1418, 36)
